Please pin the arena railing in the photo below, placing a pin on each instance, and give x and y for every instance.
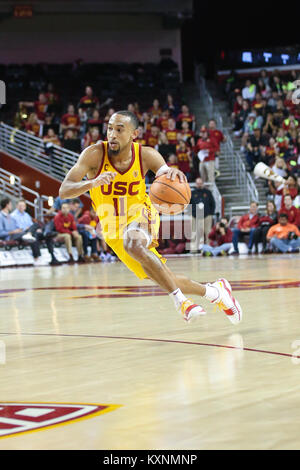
(10, 186)
(55, 162)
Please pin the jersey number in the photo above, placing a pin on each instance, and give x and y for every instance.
(119, 206)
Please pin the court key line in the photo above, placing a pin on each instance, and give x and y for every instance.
(155, 340)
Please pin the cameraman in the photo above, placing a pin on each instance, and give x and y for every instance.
(220, 239)
(284, 237)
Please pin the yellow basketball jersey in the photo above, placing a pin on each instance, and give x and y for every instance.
(123, 201)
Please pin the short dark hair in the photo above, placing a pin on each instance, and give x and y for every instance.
(283, 215)
(133, 118)
(4, 202)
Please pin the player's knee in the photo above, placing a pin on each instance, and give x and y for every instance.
(135, 246)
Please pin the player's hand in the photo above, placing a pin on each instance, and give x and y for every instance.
(173, 173)
(104, 178)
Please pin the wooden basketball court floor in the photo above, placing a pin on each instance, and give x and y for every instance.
(95, 334)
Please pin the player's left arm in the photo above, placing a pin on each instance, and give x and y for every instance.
(154, 161)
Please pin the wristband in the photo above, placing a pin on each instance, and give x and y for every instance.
(163, 169)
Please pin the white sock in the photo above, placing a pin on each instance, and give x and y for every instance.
(211, 293)
(177, 297)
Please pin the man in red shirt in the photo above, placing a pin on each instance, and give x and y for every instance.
(70, 120)
(40, 106)
(66, 227)
(184, 159)
(246, 226)
(163, 120)
(152, 136)
(206, 149)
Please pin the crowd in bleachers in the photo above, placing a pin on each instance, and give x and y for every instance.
(74, 116)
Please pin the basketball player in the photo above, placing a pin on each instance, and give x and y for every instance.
(116, 171)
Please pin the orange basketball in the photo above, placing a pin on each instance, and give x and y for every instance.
(169, 197)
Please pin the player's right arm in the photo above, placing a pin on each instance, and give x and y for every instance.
(87, 164)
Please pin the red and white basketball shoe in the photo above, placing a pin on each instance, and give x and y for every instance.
(226, 302)
(190, 311)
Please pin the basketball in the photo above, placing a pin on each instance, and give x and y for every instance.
(169, 197)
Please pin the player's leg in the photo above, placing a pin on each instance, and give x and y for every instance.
(136, 242)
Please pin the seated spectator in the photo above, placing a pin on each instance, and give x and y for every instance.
(164, 148)
(89, 100)
(289, 122)
(141, 138)
(163, 121)
(83, 118)
(278, 190)
(240, 119)
(249, 90)
(171, 106)
(40, 106)
(38, 232)
(184, 158)
(246, 226)
(253, 148)
(50, 123)
(269, 126)
(171, 132)
(289, 209)
(152, 137)
(185, 132)
(51, 138)
(107, 117)
(279, 167)
(9, 229)
(95, 120)
(67, 232)
(52, 99)
(218, 136)
(172, 161)
(284, 237)
(33, 126)
(220, 239)
(70, 120)
(86, 225)
(185, 115)
(71, 141)
(265, 222)
(155, 111)
(91, 137)
(237, 107)
(206, 149)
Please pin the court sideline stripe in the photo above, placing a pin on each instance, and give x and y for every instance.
(154, 340)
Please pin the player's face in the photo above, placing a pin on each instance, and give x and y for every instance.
(120, 133)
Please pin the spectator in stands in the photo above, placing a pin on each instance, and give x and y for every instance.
(40, 106)
(220, 238)
(70, 120)
(249, 90)
(241, 118)
(89, 100)
(184, 158)
(206, 149)
(67, 232)
(279, 190)
(237, 107)
(171, 106)
(253, 150)
(9, 229)
(71, 141)
(152, 137)
(91, 137)
(185, 133)
(172, 161)
(202, 223)
(163, 121)
(141, 138)
(155, 111)
(33, 126)
(279, 167)
(219, 137)
(265, 222)
(164, 147)
(52, 99)
(289, 209)
(171, 132)
(51, 138)
(39, 233)
(86, 228)
(83, 118)
(284, 237)
(246, 227)
(185, 115)
(95, 120)
(107, 117)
